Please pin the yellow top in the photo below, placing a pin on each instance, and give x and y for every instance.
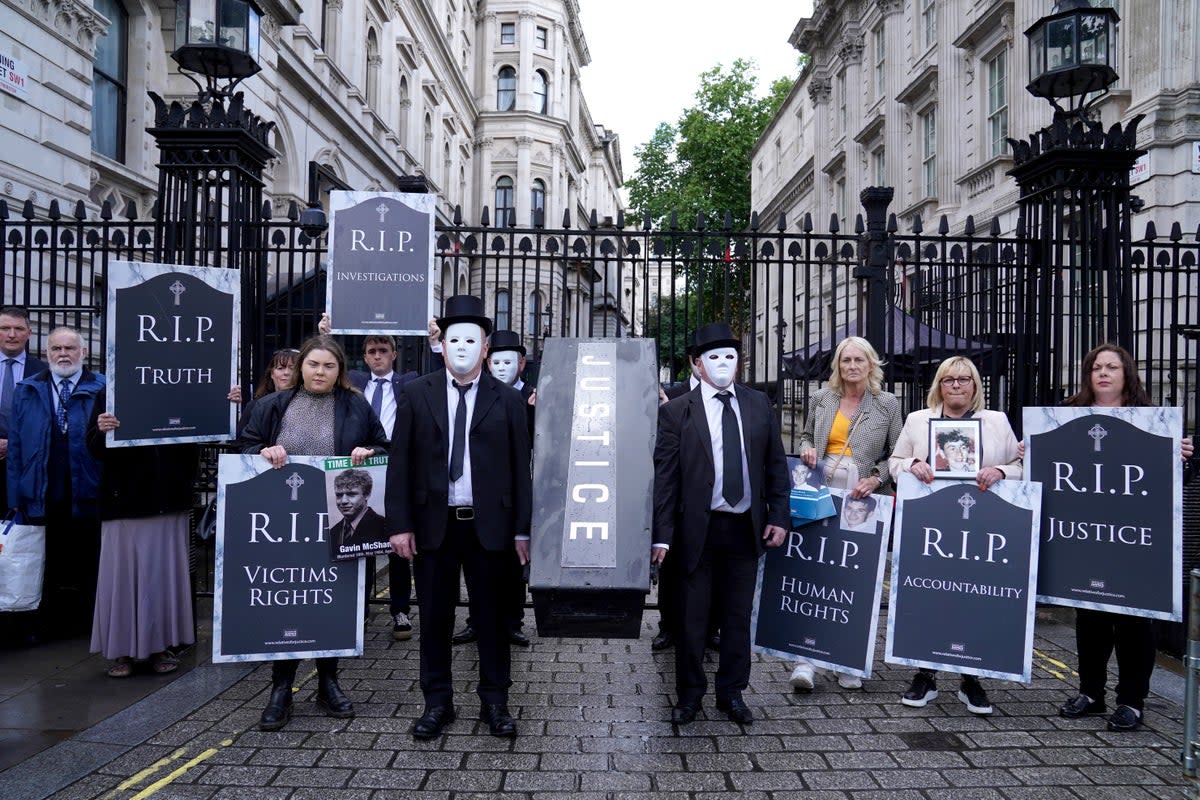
(839, 433)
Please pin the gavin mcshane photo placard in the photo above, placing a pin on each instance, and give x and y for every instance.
(1112, 514)
(357, 521)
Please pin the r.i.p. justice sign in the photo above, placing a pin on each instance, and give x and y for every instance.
(1112, 513)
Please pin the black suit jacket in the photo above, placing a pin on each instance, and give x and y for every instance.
(684, 472)
(360, 379)
(355, 424)
(32, 367)
(370, 529)
(418, 482)
(678, 389)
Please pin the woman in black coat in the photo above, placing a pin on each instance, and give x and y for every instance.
(321, 416)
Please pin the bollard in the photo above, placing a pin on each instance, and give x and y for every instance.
(1192, 666)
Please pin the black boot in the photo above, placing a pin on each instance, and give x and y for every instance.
(279, 706)
(330, 697)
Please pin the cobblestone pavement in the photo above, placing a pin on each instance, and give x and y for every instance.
(592, 716)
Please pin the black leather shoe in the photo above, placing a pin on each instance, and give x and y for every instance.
(331, 699)
(518, 638)
(279, 708)
(683, 714)
(662, 641)
(499, 721)
(1080, 706)
(465, 636)
(431, 724)
(714, 642)
(736, 709)
(1124, 718)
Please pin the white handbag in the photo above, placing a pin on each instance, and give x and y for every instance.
(22, 565)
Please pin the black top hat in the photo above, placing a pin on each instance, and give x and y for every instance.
(464, 308)
(714, 335)
(506, 340)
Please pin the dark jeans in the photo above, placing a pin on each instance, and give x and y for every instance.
(1097, 634)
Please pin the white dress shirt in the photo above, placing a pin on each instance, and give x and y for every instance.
(387, 408)
(713, 410)
(460, 490)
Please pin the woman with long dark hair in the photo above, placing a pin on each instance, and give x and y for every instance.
(278, 375)
(1110, 379)
(322, 415)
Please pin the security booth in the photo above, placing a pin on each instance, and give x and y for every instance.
(593, 482)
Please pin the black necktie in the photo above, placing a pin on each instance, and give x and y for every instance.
(377, 398)
(731, 447)
(460, 432)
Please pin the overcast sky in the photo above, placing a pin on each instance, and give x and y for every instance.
(647, 55)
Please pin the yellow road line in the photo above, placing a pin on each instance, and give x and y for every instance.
(170, 778)
(140, 776)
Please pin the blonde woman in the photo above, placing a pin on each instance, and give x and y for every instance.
(956, 393)
(852, 426)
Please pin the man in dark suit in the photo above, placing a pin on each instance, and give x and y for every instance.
(359, 523)
(15, 366)
(720, 495)
(459, 493)
(382, 387)
(506, 363)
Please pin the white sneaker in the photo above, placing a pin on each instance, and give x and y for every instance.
(802, 677)
(849, 681)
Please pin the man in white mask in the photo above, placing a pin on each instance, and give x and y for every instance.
(506, 362)
(720, 496)
(459, 494)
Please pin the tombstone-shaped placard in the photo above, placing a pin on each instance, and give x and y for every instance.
(172, 352)
(592, 477)
(278, 593)
(818, 595)
(1112, 513)
(964, 569)
(380, 265)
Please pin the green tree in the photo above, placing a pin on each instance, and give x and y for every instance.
(701, 165)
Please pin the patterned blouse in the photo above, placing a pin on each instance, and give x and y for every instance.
(307, 426)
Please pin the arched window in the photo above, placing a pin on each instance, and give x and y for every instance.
(503, 311)
(109, 82)
(537, 202)
(427, 162)
(541, 91)
(373, 61)
(504, 201)
(405, 105)
(506, 89)
(535, 314)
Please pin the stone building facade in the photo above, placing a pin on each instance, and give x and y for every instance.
(481, 97)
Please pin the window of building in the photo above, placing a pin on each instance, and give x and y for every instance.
(503, 311)
(535, 313)
(542, 37)
(839, 199)
(373, 62)
(880, 62)
(840, 89)
(929, 152)
(508, 33)
(506, 89)
(537, 201)
(541, 91)
(928, 22)
(997, 103)
(109, 83)
(879, 167)
(504, 201)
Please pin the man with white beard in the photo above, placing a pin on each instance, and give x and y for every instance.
(53, 480)
(720, 496)
(459, 496)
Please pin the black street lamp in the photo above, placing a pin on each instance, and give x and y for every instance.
(1071, 54)
(219, 40)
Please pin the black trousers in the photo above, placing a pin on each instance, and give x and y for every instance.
(512, 596)
(723, 579)
(1097, 634)
(399, 584)
(436, 573)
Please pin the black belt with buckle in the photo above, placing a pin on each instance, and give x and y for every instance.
(463, 512)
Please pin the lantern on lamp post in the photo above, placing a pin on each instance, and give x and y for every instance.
(1071, 54)
(218, 39)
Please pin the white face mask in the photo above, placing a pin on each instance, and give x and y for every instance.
(505, 366)
(719, 366)
(462, 348)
